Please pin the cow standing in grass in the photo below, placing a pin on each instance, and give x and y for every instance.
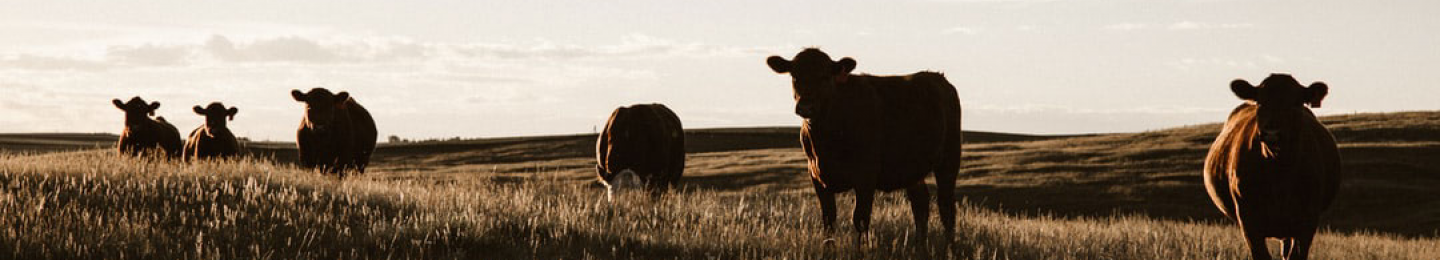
(1274, 168)
(213, 139)
(337, 134)
(143, 134)
(642, 145)
(867, 133)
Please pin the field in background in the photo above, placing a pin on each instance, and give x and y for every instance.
(745, 195)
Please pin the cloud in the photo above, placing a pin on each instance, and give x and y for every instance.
(1226, 62)
(46, 63)
(631, 46)
(1189, 25)
(220, 50)
(1127, 26)
(961, 30)
(1182, 25)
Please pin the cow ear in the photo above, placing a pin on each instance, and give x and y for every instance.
(1316, 93)
(341, 97)
(1243, 89)
(199, 110)
(299, 96)
(844, 66)
(778, 64)
(154, 106)
(118, 104)
(232, 112)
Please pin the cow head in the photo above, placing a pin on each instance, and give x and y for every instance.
(320, 107)
(814, 77)
(216, 114)
(1280, 105)
(624, 180)
(136, 110)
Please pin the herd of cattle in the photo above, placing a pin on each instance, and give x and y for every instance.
(336, 135)
(1273, 169)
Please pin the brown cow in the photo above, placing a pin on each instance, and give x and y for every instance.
(870, 133)
(213, 139)
(336, 134)
(142, 133)
(1274, 168)
(642, 145)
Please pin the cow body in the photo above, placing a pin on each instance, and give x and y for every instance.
(143, 134)
(641, 143)
(897, 123)
(213, 139)
(1274, 183)
(337, 134)
(876, 133)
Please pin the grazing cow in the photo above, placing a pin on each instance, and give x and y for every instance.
(642, 145)
(1274, 168)
(337, 134)
(142, 133)
(213, 139)
(867, 133)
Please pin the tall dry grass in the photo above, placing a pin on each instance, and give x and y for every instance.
(88, 205)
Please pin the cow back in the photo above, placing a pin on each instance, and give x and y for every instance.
(891, 131)
(655, 149)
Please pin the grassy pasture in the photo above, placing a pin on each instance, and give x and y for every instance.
(745, 196)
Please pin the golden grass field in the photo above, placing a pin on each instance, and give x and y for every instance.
(745, 195)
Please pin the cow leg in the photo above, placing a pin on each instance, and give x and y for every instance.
(1300, 249)
(945, 197)
(360, 163)
(919, 196)
(827, 206)
(1287, 246)
(1258, 250)
(864, 203)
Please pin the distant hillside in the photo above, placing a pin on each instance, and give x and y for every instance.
(556, 146)
(1392, 175)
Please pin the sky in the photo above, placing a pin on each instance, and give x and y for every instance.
(440, 69)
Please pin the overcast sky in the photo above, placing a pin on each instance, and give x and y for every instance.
(430, 69)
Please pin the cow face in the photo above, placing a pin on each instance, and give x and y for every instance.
(320, 107)
(814, 77)
(1280, 101)
(216, 114)
(136, 110)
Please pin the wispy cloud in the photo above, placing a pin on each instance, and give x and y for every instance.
(223, 50)
(1127, 26)
(961, 30)
(1182, 25)
(1226, 62)
(1189, 25)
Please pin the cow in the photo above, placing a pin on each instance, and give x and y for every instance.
(871, 133)
(336, 135)
(143, 134)
(641, 145)
(213, 139)
(1274, 168)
